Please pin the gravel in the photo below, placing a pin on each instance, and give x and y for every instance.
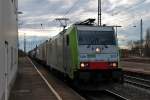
(131, 92)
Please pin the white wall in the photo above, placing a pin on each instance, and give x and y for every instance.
(9, 33)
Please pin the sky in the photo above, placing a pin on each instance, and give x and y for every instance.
(125, 13)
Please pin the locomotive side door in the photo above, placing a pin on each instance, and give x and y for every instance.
(66, 52)
(64, 56)
(6, 70)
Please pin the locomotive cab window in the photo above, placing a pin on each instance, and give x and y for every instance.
(96, 38)
(67, 40)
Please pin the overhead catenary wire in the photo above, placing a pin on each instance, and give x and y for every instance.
(75, 4)
(130, 8)
(63, 20)
(78, 1)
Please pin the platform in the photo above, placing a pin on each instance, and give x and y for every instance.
(137, 59)
(136, 67)
(29, 85)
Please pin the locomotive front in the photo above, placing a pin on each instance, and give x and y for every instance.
(98, 54)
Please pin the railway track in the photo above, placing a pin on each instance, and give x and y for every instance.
(117, 96)
(103, 95)
(140, 82)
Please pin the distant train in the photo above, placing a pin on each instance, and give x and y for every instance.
(84, 53)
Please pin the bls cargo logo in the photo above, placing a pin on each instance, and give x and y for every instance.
(114, 56)
(83, 56)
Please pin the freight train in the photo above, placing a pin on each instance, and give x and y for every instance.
(84, 53)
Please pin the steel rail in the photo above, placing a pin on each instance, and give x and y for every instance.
(138, 84)
(116, 95)
(136, 78)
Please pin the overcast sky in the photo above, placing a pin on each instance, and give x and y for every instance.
(126, 13)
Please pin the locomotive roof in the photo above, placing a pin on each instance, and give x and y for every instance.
(95, 28)
(85, 27)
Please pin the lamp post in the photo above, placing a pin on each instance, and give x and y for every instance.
(99, 13)
(116, 27)
(18, 13)
(141, 37)
(24, 42)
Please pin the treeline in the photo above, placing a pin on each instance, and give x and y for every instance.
(136, 49)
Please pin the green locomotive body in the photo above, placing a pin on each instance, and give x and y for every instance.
(85, 52)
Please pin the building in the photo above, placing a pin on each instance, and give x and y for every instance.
(8, 46)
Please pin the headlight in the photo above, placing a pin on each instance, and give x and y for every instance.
(114, 64)
(82, 65)
(98, 50)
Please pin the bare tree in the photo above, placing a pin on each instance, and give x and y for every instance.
(147, 43)
(130, 44)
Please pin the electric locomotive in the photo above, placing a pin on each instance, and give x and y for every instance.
(86, 53)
